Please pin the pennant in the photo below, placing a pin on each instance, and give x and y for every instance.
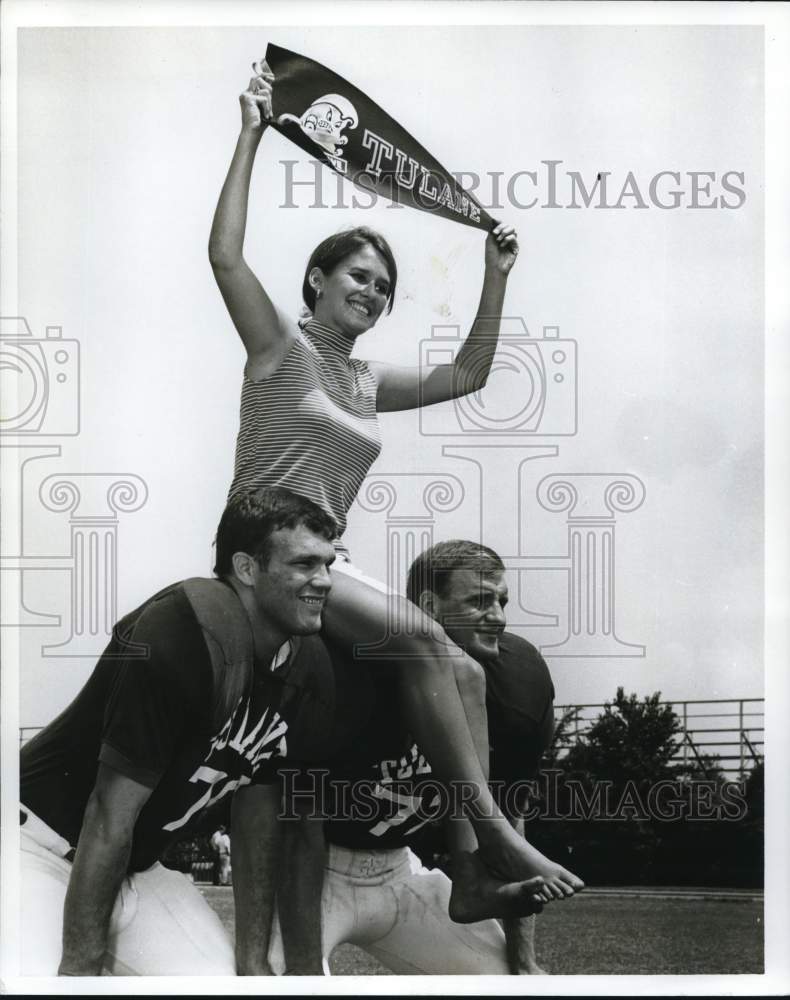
(336, 123)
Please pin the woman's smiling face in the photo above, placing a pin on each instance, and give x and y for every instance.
(354, 294)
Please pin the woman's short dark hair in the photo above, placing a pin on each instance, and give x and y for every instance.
(331, 251)
(251, 517)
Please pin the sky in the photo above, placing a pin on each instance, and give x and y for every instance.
(124, 137)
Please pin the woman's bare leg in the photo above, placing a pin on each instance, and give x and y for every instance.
(359, 616)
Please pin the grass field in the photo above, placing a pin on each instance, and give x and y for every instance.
(614, 935)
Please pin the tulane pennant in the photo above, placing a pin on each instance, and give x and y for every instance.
(336, 123)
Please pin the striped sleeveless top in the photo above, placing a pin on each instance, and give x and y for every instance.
(311, 426)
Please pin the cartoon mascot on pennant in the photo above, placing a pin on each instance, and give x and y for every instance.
(323, 122)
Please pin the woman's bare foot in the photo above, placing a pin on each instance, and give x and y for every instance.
(511, 857)
(478, 895)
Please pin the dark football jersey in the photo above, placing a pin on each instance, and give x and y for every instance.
(146, 711)
(382, 794)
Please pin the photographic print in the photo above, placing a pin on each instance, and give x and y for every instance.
(392, 437)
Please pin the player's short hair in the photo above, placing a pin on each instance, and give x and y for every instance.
(334, 249)
(432, 569)
(252, 516)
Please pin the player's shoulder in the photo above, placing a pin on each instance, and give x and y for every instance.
(520, 660)
(163, 609)
(165, 624)
(128, 623)
(518, 683)
(512, 646)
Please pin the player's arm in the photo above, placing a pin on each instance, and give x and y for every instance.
(265, 332)
(255, 853)
(100, 864)
(300, 888)
(478, 896)
(520, 934)
(405, 388)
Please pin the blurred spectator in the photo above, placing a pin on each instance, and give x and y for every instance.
(220, 845)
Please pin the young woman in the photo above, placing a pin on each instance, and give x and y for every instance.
(308, 423)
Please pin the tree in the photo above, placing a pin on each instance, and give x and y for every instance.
(623, 810)
(631, 740)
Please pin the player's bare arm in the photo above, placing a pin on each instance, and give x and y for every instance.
(520, 935)
(255, 855)
(100, 865)
(300, 890)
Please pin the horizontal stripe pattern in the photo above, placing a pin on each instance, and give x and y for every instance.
(311, 426)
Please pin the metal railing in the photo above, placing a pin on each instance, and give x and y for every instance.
(732, 741)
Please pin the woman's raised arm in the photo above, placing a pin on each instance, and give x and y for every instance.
(266, 333)
(408, 387)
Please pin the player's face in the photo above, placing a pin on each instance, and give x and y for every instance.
(291, 589)
(354, 294)
(472, 612)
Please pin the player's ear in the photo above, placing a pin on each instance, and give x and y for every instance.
(244, 567)
(427, 603)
